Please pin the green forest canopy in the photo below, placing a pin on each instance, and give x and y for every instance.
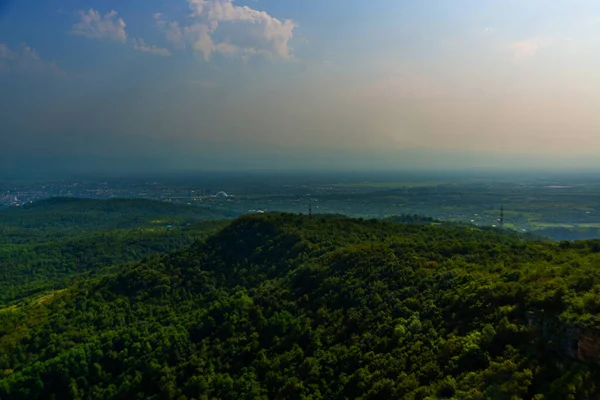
(42, 243)
(283, 306)
(62, 217)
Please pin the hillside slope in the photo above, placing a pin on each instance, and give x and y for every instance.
(280, 306)
(67, 217)
(26, 269)
(41, 243)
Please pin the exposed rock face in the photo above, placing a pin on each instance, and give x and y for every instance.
(588, 345)
(572, 341)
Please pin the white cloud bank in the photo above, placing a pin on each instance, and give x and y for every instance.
(140, 45)
(96, 26)
(24, 59)
(219, 26)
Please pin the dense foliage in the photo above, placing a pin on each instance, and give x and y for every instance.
(29, 268)
(42, 243)
(283, 306)
(70, 217)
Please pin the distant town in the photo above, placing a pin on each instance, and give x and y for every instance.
(19, 195)
(556, 208)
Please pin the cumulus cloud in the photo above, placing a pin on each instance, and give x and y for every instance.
(93, 25)
(528, 47)
(172, 31)
(140, 45)
(220, 26)
(24, 59)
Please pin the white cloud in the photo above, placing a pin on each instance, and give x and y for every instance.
(528, 47)
(26, 60)
(172, 31)
(139, 45)
(93, 25)
(199, 37)
(488, 30)
(222, 27)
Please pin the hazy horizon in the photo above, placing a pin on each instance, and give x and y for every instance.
(111, 87)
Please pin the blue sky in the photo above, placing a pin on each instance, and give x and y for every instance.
(269, 84)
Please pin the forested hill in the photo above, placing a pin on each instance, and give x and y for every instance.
(41, 242)
(27, 269)
(283, 306)
(72, 216)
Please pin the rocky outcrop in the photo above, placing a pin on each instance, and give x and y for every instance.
(572, 341)
(588, 344)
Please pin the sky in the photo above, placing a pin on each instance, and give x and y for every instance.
(92, 85)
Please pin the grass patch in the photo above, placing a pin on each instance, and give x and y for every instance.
(10, 308)
(541, 225)
(46, 298)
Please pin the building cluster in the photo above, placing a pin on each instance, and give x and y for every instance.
(20, 194)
